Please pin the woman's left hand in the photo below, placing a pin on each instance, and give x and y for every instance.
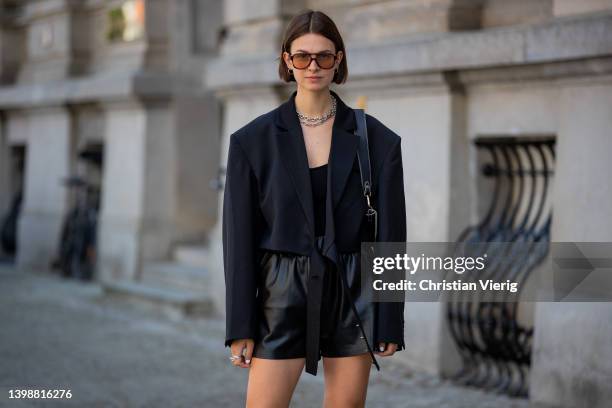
(386, 349)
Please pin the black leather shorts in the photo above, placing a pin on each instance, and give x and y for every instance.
(282, 307)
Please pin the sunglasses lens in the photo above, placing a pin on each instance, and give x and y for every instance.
(301, 61)
(325, 61)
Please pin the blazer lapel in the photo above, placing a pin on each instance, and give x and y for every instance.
(293, 153)
(342, 158)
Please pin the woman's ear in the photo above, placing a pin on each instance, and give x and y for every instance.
(287, 60)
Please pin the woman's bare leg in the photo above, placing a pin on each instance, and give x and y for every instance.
(346, 381)
(272, 382)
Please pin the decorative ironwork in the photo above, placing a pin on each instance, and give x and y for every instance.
(493, 342)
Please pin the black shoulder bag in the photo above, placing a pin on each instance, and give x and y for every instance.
(363, 156)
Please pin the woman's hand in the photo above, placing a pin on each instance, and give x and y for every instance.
(386, 349)
(238, 347)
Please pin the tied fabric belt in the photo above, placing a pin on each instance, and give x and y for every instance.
(313, 310)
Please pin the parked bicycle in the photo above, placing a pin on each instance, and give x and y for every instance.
(77, 252)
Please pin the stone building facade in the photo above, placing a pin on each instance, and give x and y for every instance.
(162, 97)
(123, 78)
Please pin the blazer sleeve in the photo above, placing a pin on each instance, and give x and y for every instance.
(391, 228)
(240, 209)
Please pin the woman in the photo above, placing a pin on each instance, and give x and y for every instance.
(292, 230)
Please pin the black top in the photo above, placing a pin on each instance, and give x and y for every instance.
(318, 180)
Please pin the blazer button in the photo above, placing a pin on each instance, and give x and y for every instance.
(357, 325)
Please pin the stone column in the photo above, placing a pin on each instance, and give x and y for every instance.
(138, 188)
(45, 201)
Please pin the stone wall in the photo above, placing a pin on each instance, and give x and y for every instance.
(141, 97)
(441, 73)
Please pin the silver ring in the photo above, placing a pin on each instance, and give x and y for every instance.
(232, 358)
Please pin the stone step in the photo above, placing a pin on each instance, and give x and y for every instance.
(169, 302)
(176, 276)
(191, 255)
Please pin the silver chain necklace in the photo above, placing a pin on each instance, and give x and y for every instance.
(318, 120)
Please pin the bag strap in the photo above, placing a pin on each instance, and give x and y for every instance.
(363, 154)
(363, 157)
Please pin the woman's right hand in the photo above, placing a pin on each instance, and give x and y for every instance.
(237, 349)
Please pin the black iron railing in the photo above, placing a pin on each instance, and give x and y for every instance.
(494, 343)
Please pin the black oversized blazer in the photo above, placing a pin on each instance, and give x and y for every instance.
(268, 205)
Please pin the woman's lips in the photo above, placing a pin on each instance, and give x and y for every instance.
(313, 78)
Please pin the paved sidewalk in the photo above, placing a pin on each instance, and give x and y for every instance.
(57, 333)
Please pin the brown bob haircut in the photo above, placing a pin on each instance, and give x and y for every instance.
(316, 22)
